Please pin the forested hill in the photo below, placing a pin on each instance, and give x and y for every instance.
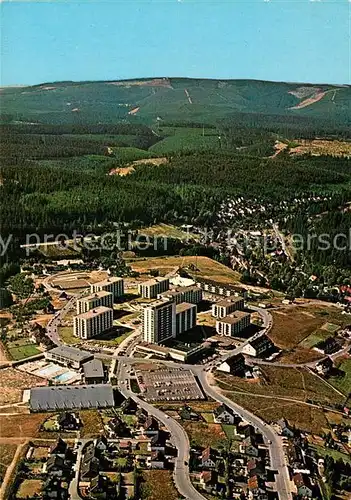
(152, 101)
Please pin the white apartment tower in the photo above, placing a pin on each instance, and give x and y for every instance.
(97, 299)
(158, 322)
(114, 285)
(150, 289)
(93, 322)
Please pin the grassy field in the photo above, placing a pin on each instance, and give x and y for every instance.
(13, 382)
(304, 417)
(291, 383)
(204, 434)
(26, 425)
(92, 423)
(29, 488)
(66, 335)
(186, 139)
(23, 352)
(337, 455)
(206, 267)
(169, 231)
(343, 383)
(158, 485)
(293, 324)
(7, 452)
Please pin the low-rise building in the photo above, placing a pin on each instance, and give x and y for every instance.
(94, 372)
(224, 307)
(101, 298)
(185, 317)
(68, 356)
(114, 285)
(259, 347)
(190, 294)
(223, 415)
(234, 365)
(151, 288)
(217, 288)
(233, 324)
(93, 322)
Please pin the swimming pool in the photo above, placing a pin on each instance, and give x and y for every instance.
(64, 377)
(48, 370)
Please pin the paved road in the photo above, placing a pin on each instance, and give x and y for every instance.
(273, 441)
(179, 438)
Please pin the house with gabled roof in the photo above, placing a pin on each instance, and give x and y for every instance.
(208, 458)
(223, 415)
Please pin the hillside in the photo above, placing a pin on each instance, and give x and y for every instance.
(152, 101)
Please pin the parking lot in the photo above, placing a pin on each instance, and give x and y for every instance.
(171, 384)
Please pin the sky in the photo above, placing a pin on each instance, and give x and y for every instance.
(280, 40)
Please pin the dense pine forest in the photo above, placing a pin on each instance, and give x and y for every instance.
(55, 178)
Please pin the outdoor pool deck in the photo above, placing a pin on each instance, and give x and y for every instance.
(51, 371)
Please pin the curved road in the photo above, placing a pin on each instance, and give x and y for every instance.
(274, 442)
(178, 437)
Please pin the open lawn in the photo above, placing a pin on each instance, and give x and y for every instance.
(158, 485)
(13, 382)
(7, 452)
(343, 382)
(24, 351)
(337, 455)
(169, 231)
(66, 335)
(29, 488)
(21, 426)
(292, 383)
(203, 434)
(203, 267)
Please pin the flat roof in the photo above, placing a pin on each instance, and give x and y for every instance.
(94, 368)
(113, 279)
(99, 294)
(154, 281)
(234, 317)
(158, 303)
(229, 300)
(181, 289)
(184, 306)
(71, 353)
(93, 312)
(71, 397)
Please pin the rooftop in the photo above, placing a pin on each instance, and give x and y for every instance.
(158, 303)
(93, 312)
(112, 279)
(234, 317)
(96, 295)
(71, 353)
(181, 289)
(94, 368)
(184, 306)
(228, 301)
(71, 397)
(154, 281)
(261, 340)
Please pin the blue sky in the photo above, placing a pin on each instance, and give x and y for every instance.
(284, 40)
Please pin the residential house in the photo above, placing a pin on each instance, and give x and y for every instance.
(150, 427)
(52, 489)
(156, 460)
(99, 485)
(90, 463)
(223, 415)
(328, 346)
(68, 421)
(234, 365)
(129, 407)
(59, 448)
(284, 429)
(259, 347)
(186, 413)
(208, 479)
(324, 366)
(249, 444)
(255, 467)
(208, 458)
(158, 442)
(101, 444)
(303, 485)
(54, 466)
